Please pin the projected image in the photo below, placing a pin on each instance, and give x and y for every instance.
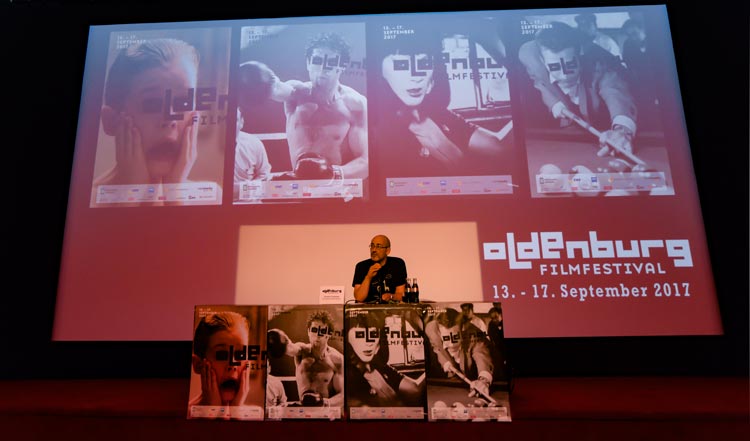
(593, 125)
(162, 133)
(470, 139)
(441, 107)
(302, 114)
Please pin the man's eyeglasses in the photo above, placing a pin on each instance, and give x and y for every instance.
(377, 246)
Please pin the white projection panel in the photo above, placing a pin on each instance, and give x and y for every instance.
(283, 262)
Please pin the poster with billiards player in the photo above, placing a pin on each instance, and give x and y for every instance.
(305, 361)
(592, 123)
(468, 377)
(162, 123)
(385, 369)
(228, 367)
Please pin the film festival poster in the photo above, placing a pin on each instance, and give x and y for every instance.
(385, 363)
(228, 363)
(450, 75)
(305, 362)
(315, 147)
(468, 378)
(604, 73)
(150, 122)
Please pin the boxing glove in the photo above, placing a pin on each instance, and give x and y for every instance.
(313, 166)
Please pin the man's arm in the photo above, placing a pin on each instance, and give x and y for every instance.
(400, 279)
(362, 288)
(336, 399)
(614, 91)
(291, 93)
(357, 137)
(398, 294)
(361, 291)
(292, 349)
(410, 389)
(489, 142)
(480, 353)
(433, 334)
(620, 103)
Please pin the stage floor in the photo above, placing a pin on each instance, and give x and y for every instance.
(612, 408)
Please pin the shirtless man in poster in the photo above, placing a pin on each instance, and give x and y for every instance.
(326, 121)
(319, 368)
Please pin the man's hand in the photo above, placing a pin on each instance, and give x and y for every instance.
(379, 385)
(448, 369)
(559, 109)
(434, 141)
(131, 160)
(244, 389)
(619, 137)
(480, 388)
(188, 152)
(373, 270)
(210, 395)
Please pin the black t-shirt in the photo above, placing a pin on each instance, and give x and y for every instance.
(392, 274)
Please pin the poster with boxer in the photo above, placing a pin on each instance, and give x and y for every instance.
(385, 362)
(302, 114)
(228, 366)
(468, 376)
(305, 362)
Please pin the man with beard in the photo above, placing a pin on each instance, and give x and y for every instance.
(381, 278)
(319, 368)
(149, 148)
(225, 381)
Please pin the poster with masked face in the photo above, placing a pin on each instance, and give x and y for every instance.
(468, 377)
(385, 364)
(228, 362)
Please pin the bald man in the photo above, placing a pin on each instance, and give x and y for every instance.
(381, 278)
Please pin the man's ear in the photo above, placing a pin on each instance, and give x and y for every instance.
(197, 363)
(110, 120)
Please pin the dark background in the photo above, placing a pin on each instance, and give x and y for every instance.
(45, 47)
